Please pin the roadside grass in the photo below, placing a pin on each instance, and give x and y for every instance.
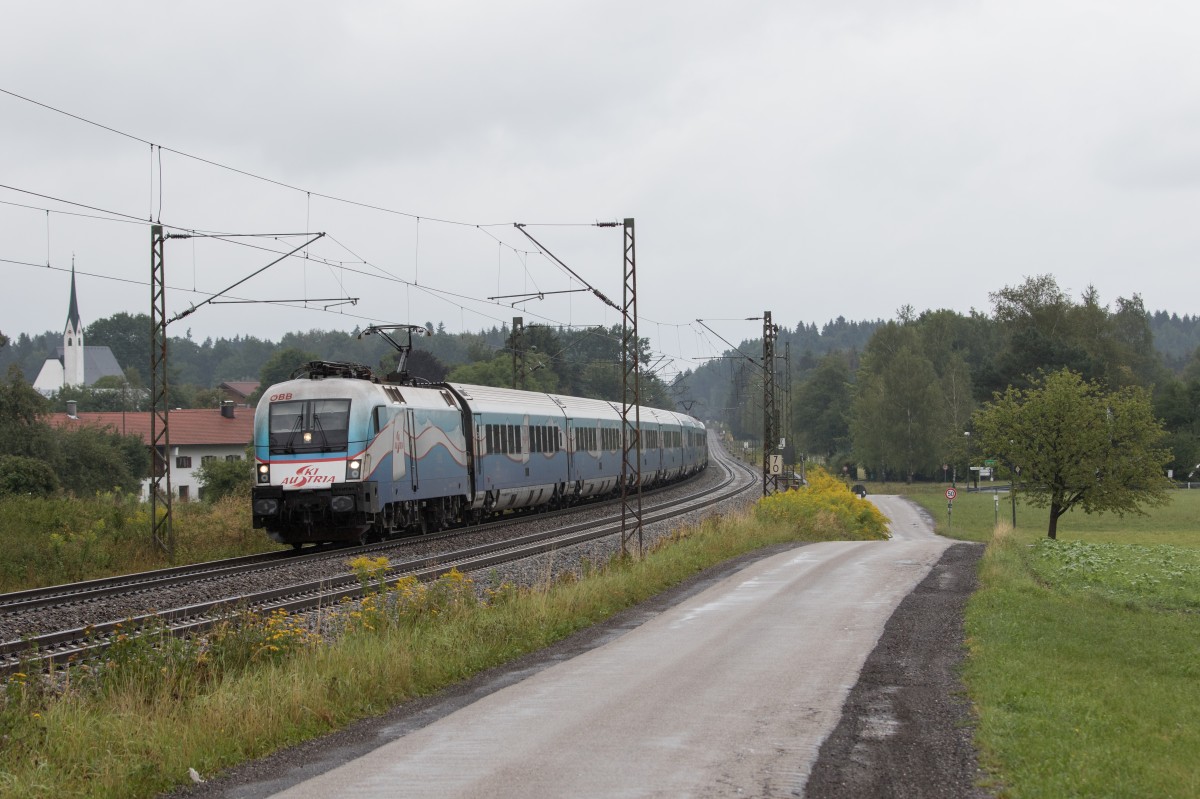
(1084, 652)
(1083, 667)
(66, 539)
(135, 725)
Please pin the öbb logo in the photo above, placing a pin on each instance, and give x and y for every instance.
(307, 475)
(278, 397)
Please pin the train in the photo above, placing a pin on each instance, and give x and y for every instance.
(344, 456)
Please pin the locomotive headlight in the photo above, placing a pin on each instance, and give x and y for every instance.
(264, 473)
(307, 438)
(353, 469)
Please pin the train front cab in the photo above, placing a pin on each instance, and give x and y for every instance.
(309, 438)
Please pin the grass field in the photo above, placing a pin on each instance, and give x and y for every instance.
(64, 539)
(975, 514)
(1085, 651)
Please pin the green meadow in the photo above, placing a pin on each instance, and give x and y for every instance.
(1084, 652)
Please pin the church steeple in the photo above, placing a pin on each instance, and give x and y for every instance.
(73, 311)
(74, 371)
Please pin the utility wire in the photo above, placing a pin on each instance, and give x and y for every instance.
(272, 181)
(371, 206)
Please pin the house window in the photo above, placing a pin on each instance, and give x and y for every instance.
(183, 462)
(183, 492)
(233, 457)
(207, 458)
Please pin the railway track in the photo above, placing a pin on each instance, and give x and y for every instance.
(143, 582)
(85, 642)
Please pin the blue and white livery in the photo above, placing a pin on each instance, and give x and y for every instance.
(343, 456)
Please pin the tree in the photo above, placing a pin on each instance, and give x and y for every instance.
(498, 372)
(127, 335)
(20, 476)
(221, 478)
(90, 460)
(278, 368)
(22, 429)
(1078, 445)
(822, 408)
(420, 364)
(894, 420)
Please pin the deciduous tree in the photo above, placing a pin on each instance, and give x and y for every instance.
(822, 408)
(896, 404)
(1078, 445)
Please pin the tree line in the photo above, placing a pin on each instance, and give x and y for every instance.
(897, 398)
(903, 405)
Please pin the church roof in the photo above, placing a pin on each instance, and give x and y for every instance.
(98, 362)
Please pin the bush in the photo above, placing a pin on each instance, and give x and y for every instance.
(825, 508)
(26, 477)
(93, 460)
(221, 479)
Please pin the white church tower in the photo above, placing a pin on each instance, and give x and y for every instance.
(73, 355)
(75, 364)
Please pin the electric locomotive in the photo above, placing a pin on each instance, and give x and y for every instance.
(343, 456)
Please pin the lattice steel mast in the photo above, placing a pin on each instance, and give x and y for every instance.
(160, 437)
(631, 420)
(770, 409)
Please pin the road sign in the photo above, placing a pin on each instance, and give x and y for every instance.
(951, 494)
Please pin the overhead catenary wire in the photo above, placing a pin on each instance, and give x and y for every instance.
(157, 161)
(272, 181)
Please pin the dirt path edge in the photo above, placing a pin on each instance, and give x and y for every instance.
(907, 727)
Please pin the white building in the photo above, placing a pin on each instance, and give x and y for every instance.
(75, 364)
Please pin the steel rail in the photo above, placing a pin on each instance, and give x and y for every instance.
(84, 643)
(140, 582)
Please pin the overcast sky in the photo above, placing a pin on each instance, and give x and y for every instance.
(815, 159)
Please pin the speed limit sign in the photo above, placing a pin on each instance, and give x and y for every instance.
(951, 494)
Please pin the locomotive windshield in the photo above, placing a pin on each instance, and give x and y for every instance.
(299, 426)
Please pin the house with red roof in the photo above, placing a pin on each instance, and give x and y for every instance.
(196, 437)
(238, 391)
